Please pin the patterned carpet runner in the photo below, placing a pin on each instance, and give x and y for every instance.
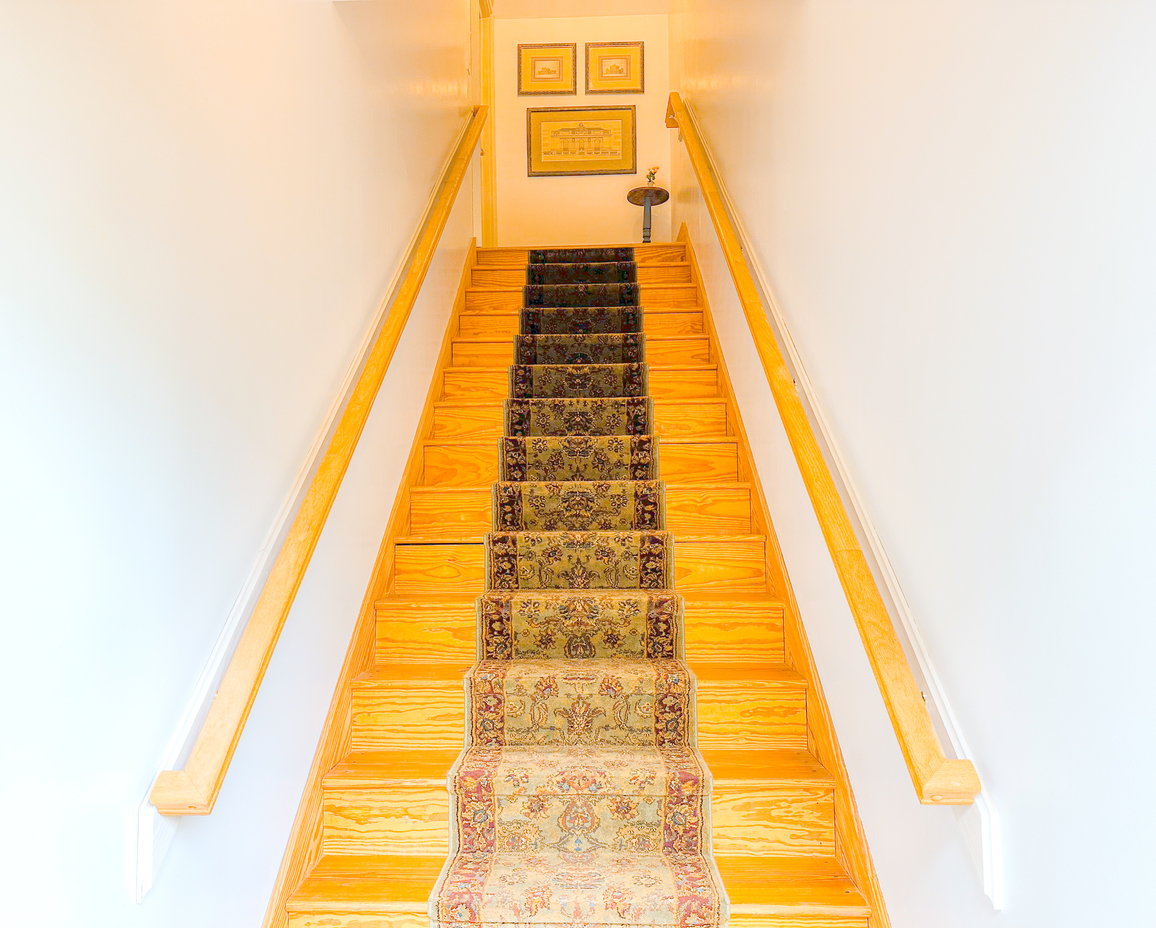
(580, 798)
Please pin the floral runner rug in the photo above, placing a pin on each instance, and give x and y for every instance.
(580, 798)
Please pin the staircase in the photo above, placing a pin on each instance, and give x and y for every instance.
(785, 835)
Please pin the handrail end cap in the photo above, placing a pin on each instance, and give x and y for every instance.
(174, 793)
(955, 783)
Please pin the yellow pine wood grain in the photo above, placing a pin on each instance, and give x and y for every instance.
(396, 802)
(697, 418)
(415, 708)
(348, 886)
(667, 383)
(744, 628)
(510, 300)
(794, 886)
(474, 463)
(708, 510)
(481, 352)
(446, 511)
(794, 921)
(657, 322)
(416, 918)
(439, 568)
(679, 350)
(450, 511)
(751, 705)
(440, 628)
(757, 820)
(393, 819)
(723, 563)
(502, 278)
(393, 709)
(460, 464)
(653, 253)
(429, 629)
(357, 891)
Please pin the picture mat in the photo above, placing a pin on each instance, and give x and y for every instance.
(534, 63)
(615, 67)
(581, 140)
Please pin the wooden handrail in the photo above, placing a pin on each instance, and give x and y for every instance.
(938, 779)
(193, 790)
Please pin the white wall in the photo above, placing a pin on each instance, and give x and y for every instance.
(591, 208)
(954, 206)
(201, 205)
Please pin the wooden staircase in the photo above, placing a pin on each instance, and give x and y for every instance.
(785, 832)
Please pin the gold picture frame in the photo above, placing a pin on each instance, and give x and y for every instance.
(547, 69)
(615, 67)
(573, 140)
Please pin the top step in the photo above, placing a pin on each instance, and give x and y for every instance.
(643, 254)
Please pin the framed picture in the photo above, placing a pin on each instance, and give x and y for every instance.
(547, 69)
(615, 67)
(580, 140)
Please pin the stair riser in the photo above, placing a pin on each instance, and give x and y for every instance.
(686, 419)
(653, 253)
(648, 275)
(717, 566)
(414, 820)
(446, 634)
(673, 351)
(477, 465)
(718, 511)
(419, 717)
(650, 296)
(665, 384)
(505, 324)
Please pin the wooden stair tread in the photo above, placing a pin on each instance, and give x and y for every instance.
(647, 310)
(700, 599)
(477, 539)
(790, 886)
(650, 338)
(467, 369)
(755, 673)
(763, 885)
(357, 883)
(434, 489)
(712, 400)
(493, 442)
(767, 765)
(373, 769)
(518, 289)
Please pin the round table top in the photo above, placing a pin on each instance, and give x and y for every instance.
(656, 195)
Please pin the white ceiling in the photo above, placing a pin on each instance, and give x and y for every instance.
(533, 9)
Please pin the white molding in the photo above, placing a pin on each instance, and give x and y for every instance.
(980, 821)
(154, 832)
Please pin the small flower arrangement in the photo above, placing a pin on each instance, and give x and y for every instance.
(651, 174)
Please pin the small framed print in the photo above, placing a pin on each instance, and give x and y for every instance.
(615, 67)
(571, 140)
(546, 69)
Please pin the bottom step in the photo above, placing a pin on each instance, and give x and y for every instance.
(391, 892)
